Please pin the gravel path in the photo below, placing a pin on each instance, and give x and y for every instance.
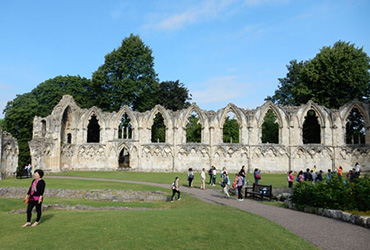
(322, 232)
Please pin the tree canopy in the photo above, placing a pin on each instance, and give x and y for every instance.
(19, 113)
(127, 77)
(173, 95)
(335, 76)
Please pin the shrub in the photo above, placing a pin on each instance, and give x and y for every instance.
(334, 194)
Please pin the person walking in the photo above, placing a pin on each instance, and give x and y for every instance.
(175, 189)
(225, 184)
(239, 185)
(203, 179)
(190, 177)
(34, 197)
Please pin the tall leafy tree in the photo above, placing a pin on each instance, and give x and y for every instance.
(173, 95)
(127, 77)
(335, 76)
(19, 113)
(286, 92)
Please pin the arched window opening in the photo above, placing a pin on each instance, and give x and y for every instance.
(66, 125)
(125, 128)
(270, 128)
(231, 129)
(311, 128)
(43, 128)
(124, 159)
(69, 138)
(158, 129)
(193, 129)
(93, 130)
(355, 128)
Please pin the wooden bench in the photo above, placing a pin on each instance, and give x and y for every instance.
(259, 191)
(20, 174)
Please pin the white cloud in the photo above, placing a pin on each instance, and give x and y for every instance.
(218, 92)
(204, 10)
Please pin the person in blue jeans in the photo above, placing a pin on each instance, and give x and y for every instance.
(214, 175)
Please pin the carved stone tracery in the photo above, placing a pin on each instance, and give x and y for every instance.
(51, 151)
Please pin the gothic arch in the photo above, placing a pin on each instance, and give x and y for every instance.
(163, 112)
(348, 109)
(234, 109)
(311, 105)
(189, 111)
(85, 118)
(116, 120)
(277, 112)
(67, 123)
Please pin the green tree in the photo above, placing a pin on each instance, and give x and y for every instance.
(173, 95)
(355, 128)
(335, 76)
(19, 113)
(193, 129)
(158, 129)
(270, 128)
(231, 130)
(127, 77)
(1, 123)
(286, 92)
(18, 119)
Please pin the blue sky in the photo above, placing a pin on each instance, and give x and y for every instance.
(224, 51)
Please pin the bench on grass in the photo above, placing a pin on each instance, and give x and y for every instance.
(259, 191)
(20, 174)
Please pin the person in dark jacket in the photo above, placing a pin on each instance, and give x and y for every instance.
(35, 196)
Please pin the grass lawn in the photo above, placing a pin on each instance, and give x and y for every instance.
(276, 180)
(186, 224)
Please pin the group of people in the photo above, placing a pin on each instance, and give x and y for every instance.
(238, 183)
(313, 175)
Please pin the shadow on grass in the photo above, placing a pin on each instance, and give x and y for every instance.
(46, 217)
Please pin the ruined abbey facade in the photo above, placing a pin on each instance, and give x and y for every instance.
(8, 154)
(71, 138)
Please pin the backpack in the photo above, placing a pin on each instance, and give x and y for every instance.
(173, 186)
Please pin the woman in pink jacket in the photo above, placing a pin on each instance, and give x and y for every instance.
(290, 179)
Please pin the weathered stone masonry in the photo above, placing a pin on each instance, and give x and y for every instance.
(8, 154)
(60, 140)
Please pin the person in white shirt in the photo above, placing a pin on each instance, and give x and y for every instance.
(203, 179)
(214, 173)
(357, 169)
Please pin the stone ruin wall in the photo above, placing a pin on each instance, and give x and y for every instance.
(50, 150)
(8, 154)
